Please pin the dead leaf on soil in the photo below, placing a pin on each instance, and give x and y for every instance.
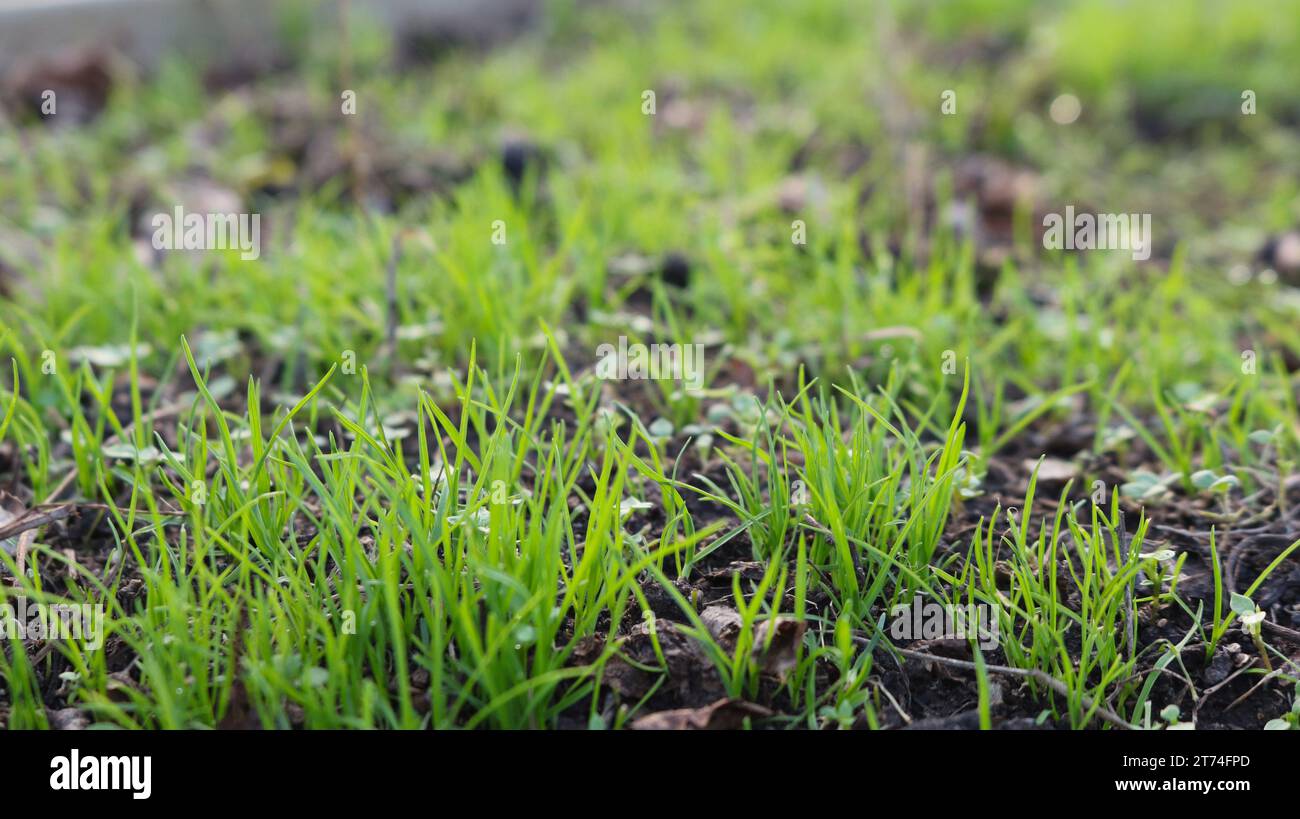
(723, 715)
(778, 657)
(724, 623)
(68, 719)
(1052, 470)
(747, 569)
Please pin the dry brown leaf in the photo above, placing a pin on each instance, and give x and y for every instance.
(778, 657)
(68, 719)
(724, 623)
(747, 569)
(1052, 470)
(723, 715)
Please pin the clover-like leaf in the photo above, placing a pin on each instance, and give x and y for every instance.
(1261, 436)
(1160, 555)
(630, 505)
(1208, 481)
(1204, 479)
(1241, 604)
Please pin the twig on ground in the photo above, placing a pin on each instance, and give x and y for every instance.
(1283, 630)
(1196, 709)
(24, 543)
(33, 519)
(907, 720)
(1034, 674)
(1270, 675)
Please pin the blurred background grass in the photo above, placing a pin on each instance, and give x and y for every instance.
(825, 111)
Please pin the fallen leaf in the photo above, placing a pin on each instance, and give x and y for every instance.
(724, 623)
(778, 656)
(1052, 470)
(747, 569)
(68, 719)
(723, 715)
